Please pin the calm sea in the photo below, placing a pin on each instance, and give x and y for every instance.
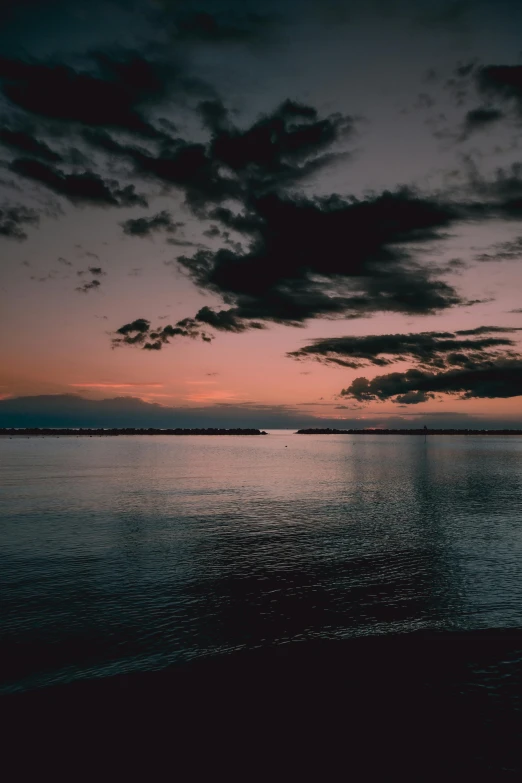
(132, 553)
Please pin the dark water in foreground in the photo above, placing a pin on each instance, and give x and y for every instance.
(125, 555)
(277, 608)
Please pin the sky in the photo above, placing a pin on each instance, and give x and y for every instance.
(273, 214)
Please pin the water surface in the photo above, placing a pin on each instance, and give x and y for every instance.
(132, 553)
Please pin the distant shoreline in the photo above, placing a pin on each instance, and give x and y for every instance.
(119, 431)
(115, 431)
(407, 432)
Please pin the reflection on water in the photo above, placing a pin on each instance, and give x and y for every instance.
(130, 553)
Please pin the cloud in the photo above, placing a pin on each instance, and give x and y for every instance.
(111, 93)
(212, 232)
(86, 187)
(499, 195)
(479, 362)
(413, 398)
(13, 220)
(278, 150)
(225, 320)
(324, 257)
(501, 81)
(281, 147)
(146, 226)
(51, 275)
(328, 257)
(186, 166)
(510, 250)
(427, 349)
(140, 333)
(479, 119)
(180, 243)
(26, 142)
(64, 261)
(500, 378)
(95, 271)
(93, 285)
(72, 410)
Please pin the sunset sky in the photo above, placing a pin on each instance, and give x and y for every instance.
(274, 214)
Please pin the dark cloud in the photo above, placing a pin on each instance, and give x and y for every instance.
(85, 187)
(92, 285)
(478, 119)
(456, 265)
(214, 115)
(465, 69)
(277, 151)
(140, 333)
(26, 142)
(440, 350)
(72, 410)
(488, 379)
(225, 320)
(180, 243)
(510, 250)
(325, 257)
(413, 397)
(64, 261)
(487, 330)
(112, 93)
(13, 220)
(212, 232)
(186, 166)
(243, 223)
(328, 257)
(146, 226)
(501, 81)
(499, 195)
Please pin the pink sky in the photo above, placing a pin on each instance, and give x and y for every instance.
(58, 340)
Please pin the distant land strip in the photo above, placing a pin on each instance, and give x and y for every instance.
(82, 431)
(422, 431)
(114, 431)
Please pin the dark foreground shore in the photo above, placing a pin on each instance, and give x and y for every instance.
(420, 707)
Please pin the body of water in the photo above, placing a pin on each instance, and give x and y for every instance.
(132, 553)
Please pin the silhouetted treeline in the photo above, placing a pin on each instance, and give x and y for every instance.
(329, 431)
(129, 431)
